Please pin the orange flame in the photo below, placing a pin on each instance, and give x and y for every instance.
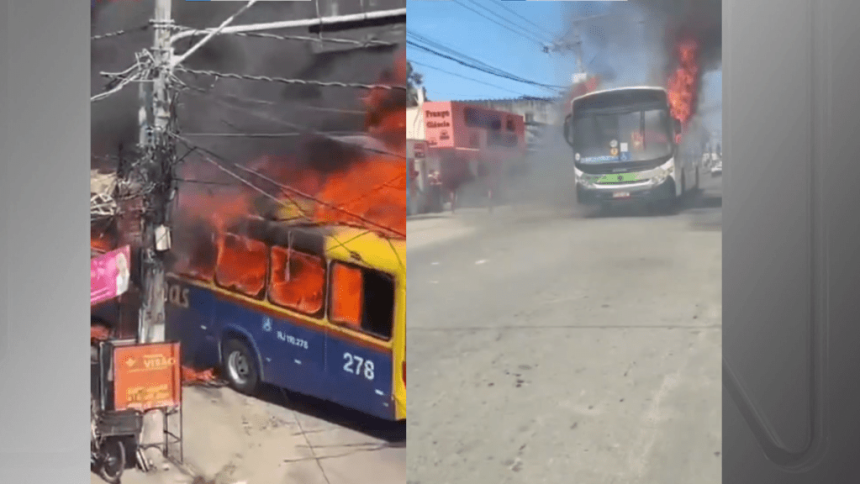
(683, 83)
(591, 84)
(369, 192)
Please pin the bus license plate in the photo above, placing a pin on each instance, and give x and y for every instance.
(621, 195)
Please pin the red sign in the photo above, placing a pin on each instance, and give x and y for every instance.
(109, 275)
(147, 376)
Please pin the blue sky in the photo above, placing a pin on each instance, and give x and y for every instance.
(455, 25)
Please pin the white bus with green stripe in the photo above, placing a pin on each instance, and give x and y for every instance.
(625, 149)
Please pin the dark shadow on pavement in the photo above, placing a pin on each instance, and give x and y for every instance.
(393, 433)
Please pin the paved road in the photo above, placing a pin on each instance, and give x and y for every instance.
(550, 347)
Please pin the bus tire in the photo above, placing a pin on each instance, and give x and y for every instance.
(240, 366)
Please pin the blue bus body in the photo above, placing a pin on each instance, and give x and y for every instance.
(298, 355)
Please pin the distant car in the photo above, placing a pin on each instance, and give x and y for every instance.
(717, 169)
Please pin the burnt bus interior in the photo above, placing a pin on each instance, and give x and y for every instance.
(286, 265)
(276, 262)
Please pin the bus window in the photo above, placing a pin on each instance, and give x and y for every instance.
(297, 280)
(362, 299)
(346, 295)
(242, 265)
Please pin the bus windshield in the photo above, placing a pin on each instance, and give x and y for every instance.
(635, 136)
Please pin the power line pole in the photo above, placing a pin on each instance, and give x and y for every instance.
(154, 171)
(575, 45)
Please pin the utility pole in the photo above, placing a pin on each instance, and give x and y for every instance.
(574, 46)
(156, 174)
(154, 171)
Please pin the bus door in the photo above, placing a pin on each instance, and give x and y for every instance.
(359, 348)
(294, 346)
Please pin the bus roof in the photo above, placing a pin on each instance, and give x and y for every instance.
(619, 89)
(338, 242)
(374, 250)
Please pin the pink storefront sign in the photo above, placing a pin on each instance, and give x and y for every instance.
(109, 275)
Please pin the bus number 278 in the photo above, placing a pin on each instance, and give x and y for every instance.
(357, 365)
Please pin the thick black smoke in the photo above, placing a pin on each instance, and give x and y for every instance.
(634, 42)
(114, 120)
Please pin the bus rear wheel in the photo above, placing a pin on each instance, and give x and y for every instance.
(239, 367)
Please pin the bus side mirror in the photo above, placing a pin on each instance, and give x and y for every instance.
(568, 130)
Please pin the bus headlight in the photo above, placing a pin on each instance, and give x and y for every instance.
(585, 181)
(582, 179)
(663, 172)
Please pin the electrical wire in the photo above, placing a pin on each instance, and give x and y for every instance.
(119, 87)
(509, 9)
(282, 80)
(451, 51)
(118, 33)
(358, 43)
(508, 76)
(539, 36)
(262, 102)
(178, 60)
(434, 47)
(288, 24)
(464, 77)
(211, 158)
(527, 37)
(251, 112)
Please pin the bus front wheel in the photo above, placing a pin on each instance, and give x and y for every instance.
(240, 368)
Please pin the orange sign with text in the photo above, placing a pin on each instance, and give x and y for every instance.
(147, 376)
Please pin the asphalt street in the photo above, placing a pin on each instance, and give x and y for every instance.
(547, 345)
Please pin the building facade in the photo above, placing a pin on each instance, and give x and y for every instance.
(539, 113)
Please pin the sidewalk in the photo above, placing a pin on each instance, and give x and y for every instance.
(233, 439)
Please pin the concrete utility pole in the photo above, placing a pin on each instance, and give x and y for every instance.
(155, 173)
(156, 170)
(575, 46)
